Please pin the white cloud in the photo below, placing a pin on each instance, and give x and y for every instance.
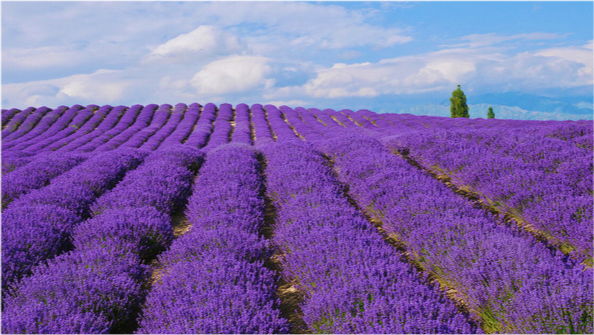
(52, 35)
(477, 68)
(103, 85)
(412, 74)
(568, 57)
(201, 42)
(100, 87)
(300, 24)
(452, 70)
(233, 74)
(188, 51)
(174, 50)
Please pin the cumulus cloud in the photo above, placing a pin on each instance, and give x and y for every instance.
(486, 68)
(103, 85)
(391, 76)
(100, 87)
(206, 50)
(300, 24)
(233, 74)
(93, 35)
(267, 51)
(569, 57)
(204, 41)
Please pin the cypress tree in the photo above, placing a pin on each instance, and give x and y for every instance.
(490, 114)
(458, 106)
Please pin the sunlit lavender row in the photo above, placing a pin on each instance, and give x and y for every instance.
(192, 218)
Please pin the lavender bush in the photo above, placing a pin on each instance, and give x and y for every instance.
(376, 223)
(508, 279)
(352, 281)
(213, 279)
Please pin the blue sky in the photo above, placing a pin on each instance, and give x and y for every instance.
(384, 56)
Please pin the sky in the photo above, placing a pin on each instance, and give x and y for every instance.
(528, 59)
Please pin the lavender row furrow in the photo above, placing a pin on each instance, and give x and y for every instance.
(341, 118)
(360, 124)
(130, 227)
(185, 127)
(281, 129)
(159, 119)
(80, 117)
(301, 127)
(37, 226)
(539, 180)
(62, 122)
(112, 131)
(16, 121)
(222, 128)
(358, 119)
(203, 129)
(36, 174)
(243, 131)
(402, 123)
(141, 121)
(263, 132)
(213, 279)
(333, 126)
(111, 119)
(99, 116)
(352, 281)
(8, 114)
(309, 118)
(157, 182)
(40, 128)
(177, 114)
(96, 118)
(508, 279)
(28, 124)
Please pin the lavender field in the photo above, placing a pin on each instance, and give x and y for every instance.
(263, 219)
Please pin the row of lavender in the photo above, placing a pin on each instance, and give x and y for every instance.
(508, 280)
(267, 124)
(540, 176)
(108, 305)
(139, 127)
(45, 321)
(37, 226)
(212, 279)
(351, 281)
(93, 128)
(98, 286)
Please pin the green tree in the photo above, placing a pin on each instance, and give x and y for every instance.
(490, 114)
(458, 106)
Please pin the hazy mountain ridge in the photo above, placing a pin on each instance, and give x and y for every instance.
(511, 106)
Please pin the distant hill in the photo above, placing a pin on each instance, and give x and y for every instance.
(510, 106)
